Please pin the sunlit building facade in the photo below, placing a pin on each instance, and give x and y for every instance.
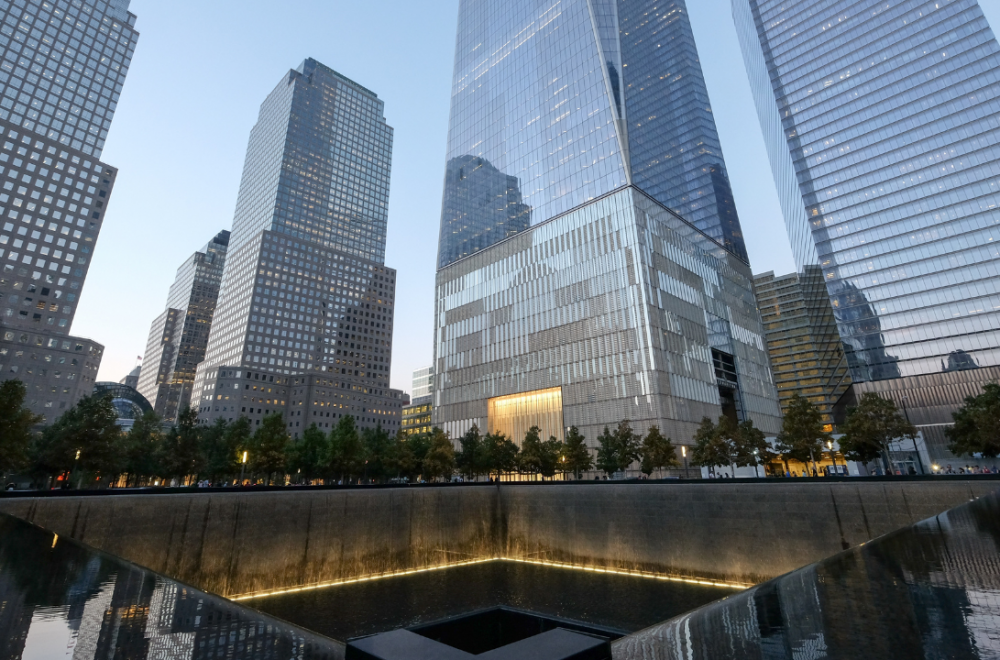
(591, 266)
(807, 356)
(62, 69)
(881, 124)
(178, 337)
(305, 313)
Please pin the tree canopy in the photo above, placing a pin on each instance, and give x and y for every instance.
(871, 428)
(977, 425)
(16, 424)
(657, 452)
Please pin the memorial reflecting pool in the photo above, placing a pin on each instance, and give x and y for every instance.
(931, 590)
(619, 604)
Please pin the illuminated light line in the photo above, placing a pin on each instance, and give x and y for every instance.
(365, 578)
(649, 575)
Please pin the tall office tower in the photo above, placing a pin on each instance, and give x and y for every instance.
(590, 261)
(304, 321)
(417, 415)
(179, 336)
(807, 357)
(656, 133)
(63, 66)
(423, 382)
(881, 120)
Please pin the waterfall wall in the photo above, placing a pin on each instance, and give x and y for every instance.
(235, 543)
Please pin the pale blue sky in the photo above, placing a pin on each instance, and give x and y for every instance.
(200, 72)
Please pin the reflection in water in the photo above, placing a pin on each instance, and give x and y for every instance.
(928, 591)
(59, 600)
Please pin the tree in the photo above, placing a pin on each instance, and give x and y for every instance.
(471, 461)
(222, 447)
(752, 447)
(346, 450)
(180, 451)
(802, 431)
(529, 459)
(16, 422)
(86, 438)
(440, 461)
(377, 448)
(309, 456)
(871, 428)
(977, 425)
(607, 457)
(268, 446)
(501, 454)
(408, 453)
(618, 450)
(657, 452)
(576, 456)
(140, 448)
(549, 453)
(711, 448)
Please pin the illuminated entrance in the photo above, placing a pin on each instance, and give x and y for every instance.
(513, 415)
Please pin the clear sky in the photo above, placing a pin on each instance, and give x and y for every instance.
(200, 72)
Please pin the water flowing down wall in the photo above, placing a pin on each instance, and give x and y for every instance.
(237, 543)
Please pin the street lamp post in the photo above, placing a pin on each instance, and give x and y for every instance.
(243, 467)
(76, 462)
(833, 457)
(915, 448)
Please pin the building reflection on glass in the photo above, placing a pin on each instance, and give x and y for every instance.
(861, 331)
(481, 206)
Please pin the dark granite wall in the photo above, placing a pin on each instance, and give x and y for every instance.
(730, 531)
(241, 542)
(235, 543)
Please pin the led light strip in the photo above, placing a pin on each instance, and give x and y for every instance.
(642, 574)
(366, 578)
(536, 562)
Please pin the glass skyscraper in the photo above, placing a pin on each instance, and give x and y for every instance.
(178, 337)
(304, 320)
(556, 104)
(62, 69)
(881, 119)
(591, 264)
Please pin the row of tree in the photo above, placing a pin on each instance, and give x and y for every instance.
(87, 440)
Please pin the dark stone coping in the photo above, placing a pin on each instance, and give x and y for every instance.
(189, 490)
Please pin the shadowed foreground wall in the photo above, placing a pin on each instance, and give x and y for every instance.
(235, 543)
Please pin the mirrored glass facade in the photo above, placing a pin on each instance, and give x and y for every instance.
(306, 298)
(622, 305)
(555, 104)
(882, 123)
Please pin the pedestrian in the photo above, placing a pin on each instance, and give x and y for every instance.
(814, 472)
(788, 475)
